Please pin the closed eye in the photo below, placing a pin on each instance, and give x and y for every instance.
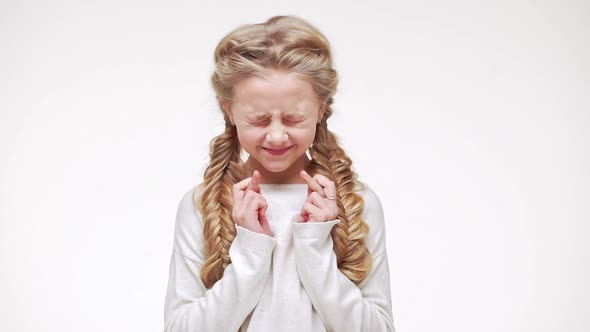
(258, 123)
(294, 121)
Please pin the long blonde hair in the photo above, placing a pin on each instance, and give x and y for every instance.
(292, 44)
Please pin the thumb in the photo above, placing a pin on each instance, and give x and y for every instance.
(264, 222)
(262, 218)
(262, 215)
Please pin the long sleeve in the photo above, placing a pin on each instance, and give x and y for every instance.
(342, 305)
(189, 306)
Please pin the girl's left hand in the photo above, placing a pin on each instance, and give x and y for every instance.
(321, 199)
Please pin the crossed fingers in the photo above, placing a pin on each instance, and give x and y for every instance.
(321, 202)
(251, 183)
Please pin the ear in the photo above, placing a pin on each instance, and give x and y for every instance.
(226, 108)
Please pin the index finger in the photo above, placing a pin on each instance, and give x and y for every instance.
(328, 186)
(312, 183)
(255, 183)
(239, 187)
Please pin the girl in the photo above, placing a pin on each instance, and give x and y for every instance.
(283, 241)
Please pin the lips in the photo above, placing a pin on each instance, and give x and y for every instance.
(276, 152)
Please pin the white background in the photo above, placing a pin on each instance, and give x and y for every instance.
(469, 119)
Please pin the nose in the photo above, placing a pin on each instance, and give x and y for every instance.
(277, 135)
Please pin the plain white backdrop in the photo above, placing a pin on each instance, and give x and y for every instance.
(470, 119)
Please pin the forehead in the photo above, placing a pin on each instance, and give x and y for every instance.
(285, 92)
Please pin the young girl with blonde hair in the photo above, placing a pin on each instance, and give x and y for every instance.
(282, 241)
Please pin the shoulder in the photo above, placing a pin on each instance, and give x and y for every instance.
(188, 228)
(374, 216)
(372, 203)
(189, 199)
(369, 195)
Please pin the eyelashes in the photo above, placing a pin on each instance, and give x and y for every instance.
(264, 123)
(293, 121)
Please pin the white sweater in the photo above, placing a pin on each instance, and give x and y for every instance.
(287, 282)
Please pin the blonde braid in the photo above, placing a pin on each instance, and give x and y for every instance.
(215, 203)
(330, 160)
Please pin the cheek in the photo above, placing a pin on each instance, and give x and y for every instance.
(304, 135)
(249, 137)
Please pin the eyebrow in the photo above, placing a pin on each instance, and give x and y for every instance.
(261, 116)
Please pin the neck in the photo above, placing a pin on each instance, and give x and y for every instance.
(288, 176)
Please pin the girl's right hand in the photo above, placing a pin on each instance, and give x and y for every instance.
(249, 209)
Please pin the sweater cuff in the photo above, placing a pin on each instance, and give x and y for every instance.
(248, 240)
(314, 230)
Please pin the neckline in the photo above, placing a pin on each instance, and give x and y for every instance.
(282, 184)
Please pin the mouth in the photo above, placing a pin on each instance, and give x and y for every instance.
(277, 152)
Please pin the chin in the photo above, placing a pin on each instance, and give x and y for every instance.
(276, 168)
